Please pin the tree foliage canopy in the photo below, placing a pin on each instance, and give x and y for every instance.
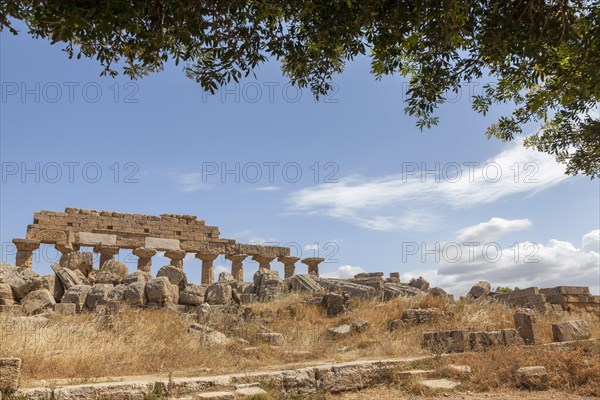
(543, 55)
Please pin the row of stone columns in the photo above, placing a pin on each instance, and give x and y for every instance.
(26, 247)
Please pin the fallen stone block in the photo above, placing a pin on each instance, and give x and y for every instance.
(571, 331)
(10, 370)
(452, 341)
(335, 304)
(6, 296)
(420, 315)
(525, 323)
(250, 392)
(77, 295)
(419, 283)
(303, 283)
(216, 396)
(482, 341)
(353, 289)
(437, 384)
(481, 289)
(65, 309)
(339, 332)
(393, 290)
(37, 301)
(532, 378)
(510, 337)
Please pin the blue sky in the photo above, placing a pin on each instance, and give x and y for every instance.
(366, 209)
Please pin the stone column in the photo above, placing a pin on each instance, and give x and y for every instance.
(106, 253)
(25, 249)
(176, 257)
(208, 270)
(66, 248)
(313, 264)
(289, 265)
(145, 258)
(237, 266)
(263, 261)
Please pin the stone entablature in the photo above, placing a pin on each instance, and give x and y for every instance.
(82, 227)
(108, 232)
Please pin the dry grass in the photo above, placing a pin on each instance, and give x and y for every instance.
(135, 342)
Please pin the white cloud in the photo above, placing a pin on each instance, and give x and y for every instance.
(343, 272)
(527, 264)
(411, 198)
(492, 229)
(191, 182)
(591, 241)
(221, 268)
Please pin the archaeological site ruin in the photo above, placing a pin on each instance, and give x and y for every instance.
(81, 287)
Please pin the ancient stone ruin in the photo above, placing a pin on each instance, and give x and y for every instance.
(108, 232)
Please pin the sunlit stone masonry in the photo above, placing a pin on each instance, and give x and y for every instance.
(107, 232)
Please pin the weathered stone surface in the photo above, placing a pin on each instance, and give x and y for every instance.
(160, 290)
(92, 239)
(21, 280)
(419, 283)
(253, 392)
(268, 284)
(192, 295)
(359, 325)
(77, 295)
(525, 324)
(481, 289)
(335, 304)
(437, 291)
(38, 301)
(353, 289)
(10, 370)
(78, 261)
(216, 396)
(137, 276)
(65, 309)
(482, 341)
(272, 338)
(219, 293)
(208, 335)
(98, 296)
(443, 384)
(392, 290)
(6, 296)
(511, 337)
(54, 286)
(571, 330)
(532, 378)
(116, 294)
(340, 332)
(69, 278)
(175, 275)
(112, 271)
(420, 315)
(453, 341)
(459, 369)
(226, 277)
(135, 294)
(303, 283)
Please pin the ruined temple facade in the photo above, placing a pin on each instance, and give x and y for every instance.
(177, 235)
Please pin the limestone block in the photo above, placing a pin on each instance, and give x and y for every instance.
(10, 370)
(77, 295)
(160, 290)
(162, 244)
(21, 280)
(135, 294)
(98, 296)
(525, 323)
(175, 275)
(6, 296)
(532, 378)
(78, 261)
(453, 341)
(192, 295)
(481, 289)
(419, 283)
(37, 301)
(93, 239)
(571, 330)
